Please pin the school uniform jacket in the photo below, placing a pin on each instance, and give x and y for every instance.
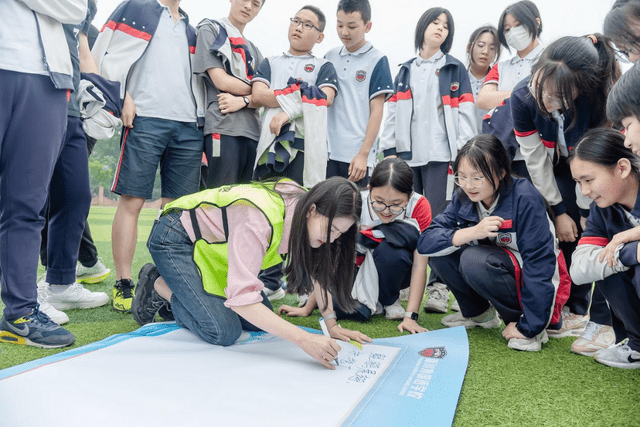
(537, 136)
(124, 39)
(457, 102)
(602, 225)
(528, 236)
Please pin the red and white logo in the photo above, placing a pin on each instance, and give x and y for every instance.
(309, 68)
(435, 352)
(361, 75)
(455, 86)
(504, 238)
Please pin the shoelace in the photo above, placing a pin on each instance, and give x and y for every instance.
(42, 318)
(591, 330)
(125, 290)
(156, 304)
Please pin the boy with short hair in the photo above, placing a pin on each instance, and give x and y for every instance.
(366, 83)
(228, 61)
(296, 88)
(146, 45)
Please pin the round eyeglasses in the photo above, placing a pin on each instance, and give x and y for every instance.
(381, 206)
(475, 181)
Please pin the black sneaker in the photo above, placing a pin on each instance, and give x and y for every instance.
(166, 313)
(122, 295)
(35, 329)
(147, 302)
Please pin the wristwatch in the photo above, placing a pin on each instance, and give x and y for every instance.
(246, 101)
(412, 314)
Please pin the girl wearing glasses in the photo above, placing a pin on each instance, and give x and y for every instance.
(564, 97)
(494, 247)
(621, 25)
(393, 216)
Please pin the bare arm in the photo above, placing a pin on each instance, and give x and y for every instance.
(87, 63)
(263, 95)
(416, 292)
(358, 166)
(331, 93)
(489, 97)
(227, 83)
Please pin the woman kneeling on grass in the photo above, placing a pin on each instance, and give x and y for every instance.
(393, 216)
(607, 253)
(210, 246)
(494, 246)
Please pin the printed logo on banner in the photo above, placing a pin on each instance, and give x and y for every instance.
(435, 352)
(455, 86)
(504, 238)
(309, 68)
(361, 75)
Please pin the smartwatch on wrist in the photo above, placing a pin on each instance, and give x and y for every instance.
(412, 314)
(246, 101)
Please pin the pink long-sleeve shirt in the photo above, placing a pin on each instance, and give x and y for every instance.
(249, 233)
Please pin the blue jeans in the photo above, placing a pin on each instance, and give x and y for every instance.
(203, 314)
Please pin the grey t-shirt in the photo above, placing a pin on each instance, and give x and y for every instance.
(244, 122)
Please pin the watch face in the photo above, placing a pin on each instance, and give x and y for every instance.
(414, 315)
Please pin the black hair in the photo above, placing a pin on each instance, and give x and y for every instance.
(322, 20)
(487, 154)
(362, 6)
(525, 12)
(394, 172)
(622, 23)
(624, 99)
(604, 147)
(473, 39)
(584, 64)
(331, 265)
(427, 18)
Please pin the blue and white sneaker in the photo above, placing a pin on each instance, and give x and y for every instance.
(619, 356)
(35, 329)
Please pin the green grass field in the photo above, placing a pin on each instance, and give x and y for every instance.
(502, 387)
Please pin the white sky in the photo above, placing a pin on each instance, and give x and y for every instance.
(394, 21)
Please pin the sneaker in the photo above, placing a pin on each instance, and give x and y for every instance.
(487, 320)
(94, 274)
(404, 294)
(572, 325)
(60, 317)
(74, 296)
(166, 313)
(146, 302)
(394, 311)
(302, 300)
(438, 300)
(595, 337)
(274, 295)
(35, 329)
(455, 306)
(619, 356)
(529, 344)
(123, 295)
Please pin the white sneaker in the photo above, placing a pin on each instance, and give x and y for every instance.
(404, 294)
(595, 338)
(94, 274)
(619, 356)
(438, 300)
(572, 325)
(274, 295)
(455, 306)
(394, 311)
(57, 316)
(488, 320)
(302, 300)
(74, 296)
(529, 344)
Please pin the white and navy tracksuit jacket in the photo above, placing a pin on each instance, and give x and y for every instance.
(124, 39)
(458, 106)
(541, 273)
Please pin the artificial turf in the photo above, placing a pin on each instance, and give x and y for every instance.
(502, 387)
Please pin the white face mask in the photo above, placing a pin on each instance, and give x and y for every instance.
(518, 37)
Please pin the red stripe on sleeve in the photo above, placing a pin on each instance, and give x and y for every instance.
(111, 25)
(549, 144)
(422, 213)
(493, 75)
(192, 50)
(319, 102)
(466, 97)
(403, 95)
(524, 134)
(598, 241)
(287, 90)
(131, 31)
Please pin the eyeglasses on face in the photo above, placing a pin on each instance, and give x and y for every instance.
(551, 99)
(475, 181)
(381, 206)
(306, 25)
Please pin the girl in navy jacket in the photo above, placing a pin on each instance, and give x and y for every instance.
(495, 248)
(607, 253)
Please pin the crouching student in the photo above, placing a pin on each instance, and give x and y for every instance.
(495, 248)
(607, 253)
(393, 216)
(210, 246)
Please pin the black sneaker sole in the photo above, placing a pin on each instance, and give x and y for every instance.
(144, 293)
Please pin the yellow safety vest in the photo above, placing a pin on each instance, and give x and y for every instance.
(212, 257)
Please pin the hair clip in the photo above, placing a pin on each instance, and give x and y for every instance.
(593, 38)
